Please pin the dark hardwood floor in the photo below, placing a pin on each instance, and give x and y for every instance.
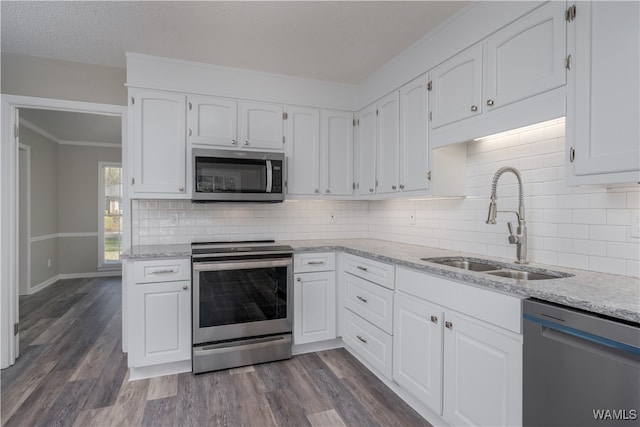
(71, 371)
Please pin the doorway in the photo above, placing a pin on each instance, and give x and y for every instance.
(10, 233)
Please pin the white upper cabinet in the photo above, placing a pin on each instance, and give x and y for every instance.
(527, 57)
(159, 144)
(367, 137)
(303, 151)
(213, 121)
(261, 125)
(388, 149)
(414, 145)
(456, 88)
(337, 153)
(603, 130)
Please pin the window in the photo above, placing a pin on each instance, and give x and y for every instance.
(110, 214)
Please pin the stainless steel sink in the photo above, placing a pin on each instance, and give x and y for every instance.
(522, 275)
(487, 267)
(463, 264)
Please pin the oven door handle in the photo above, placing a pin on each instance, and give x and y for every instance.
(241, 265)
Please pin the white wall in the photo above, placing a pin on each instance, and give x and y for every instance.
(584, 228)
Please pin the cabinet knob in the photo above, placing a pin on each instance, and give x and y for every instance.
(298, 279)
(448, 325)
(393, 187)
(489, 102)
(185, 287)
(316, 191)
(429, 176)
(181, 189)
(327, 191)
(371, 190)
(434, 319)
(474, 108)
(234, 142)
(245, 143)
(402, 186)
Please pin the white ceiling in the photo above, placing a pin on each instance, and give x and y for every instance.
(342, 41)
(75, 128)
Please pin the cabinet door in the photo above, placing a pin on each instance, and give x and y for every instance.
(337, 157)
(527, 57)
(482, 374)
(303, 151)
(417, 349)
(603, 101)
(368, 135)
(388, 144)
(213, 121)
(414, 145)
(261, 125)
(161, 323)
(456, 91)
(159, 144)
(314, 307)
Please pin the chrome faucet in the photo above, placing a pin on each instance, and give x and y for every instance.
(519, 238)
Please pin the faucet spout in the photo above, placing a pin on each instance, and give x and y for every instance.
(519, 238)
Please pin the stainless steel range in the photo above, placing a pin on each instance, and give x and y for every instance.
(242, 303)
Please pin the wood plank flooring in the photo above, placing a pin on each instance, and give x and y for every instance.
(72, 372)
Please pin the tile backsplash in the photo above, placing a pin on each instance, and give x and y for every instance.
(577, 227)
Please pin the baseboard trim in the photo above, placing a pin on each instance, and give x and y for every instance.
(40, 286)
(152, 371)
(317, 346)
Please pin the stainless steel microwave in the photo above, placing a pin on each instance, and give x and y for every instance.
(237, 176)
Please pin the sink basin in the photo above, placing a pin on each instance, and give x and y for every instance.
(522, 275)
(463, 264)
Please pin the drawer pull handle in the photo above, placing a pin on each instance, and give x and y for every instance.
(448, 325)
(315, 263)
(168, 271)
(361, 339)
(362, 268)
(434, 319)
(364, 300)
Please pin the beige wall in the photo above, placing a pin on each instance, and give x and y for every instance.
(50, 78)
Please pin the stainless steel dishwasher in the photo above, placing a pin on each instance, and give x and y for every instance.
(580, 369)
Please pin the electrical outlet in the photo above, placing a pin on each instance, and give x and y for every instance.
(332, 218)
(634, 224)
(173, 218)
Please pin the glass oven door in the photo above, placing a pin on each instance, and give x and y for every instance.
(240, 299)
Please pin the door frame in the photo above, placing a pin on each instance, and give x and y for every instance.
(9, 209)
(27, 187)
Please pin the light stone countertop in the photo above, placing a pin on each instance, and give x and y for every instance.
(607, 294)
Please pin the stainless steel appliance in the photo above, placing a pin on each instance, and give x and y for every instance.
(580, 369)
(242, 303)
(237, 176)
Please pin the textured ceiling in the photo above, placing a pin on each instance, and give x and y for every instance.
(75, 127)
(343, 41)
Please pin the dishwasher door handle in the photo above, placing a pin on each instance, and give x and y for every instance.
(586, 336)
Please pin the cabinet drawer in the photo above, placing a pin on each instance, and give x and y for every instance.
(377, 272)
(371, 343)
(370, 301)
(489, 306)
(314, 261)
(164, 270)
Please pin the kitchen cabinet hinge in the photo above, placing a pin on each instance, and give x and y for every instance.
(133, 181)
(133, 100)
(16, 328)
(376, 112)
(430, 85)
(568, 62)
(16, 131)
(570, 13)
(354, 122)
(429, 176)
(430, 116)
(283, 139)
(190, 106)
(286, 184)
(285, 116)
(354, 186)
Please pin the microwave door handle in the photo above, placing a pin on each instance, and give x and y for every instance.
(269, 176)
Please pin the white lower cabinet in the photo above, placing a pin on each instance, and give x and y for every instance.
(371, 343)
(161, 323)
(159, 311)
(467, 369)
(314, 297)
(314, 307)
